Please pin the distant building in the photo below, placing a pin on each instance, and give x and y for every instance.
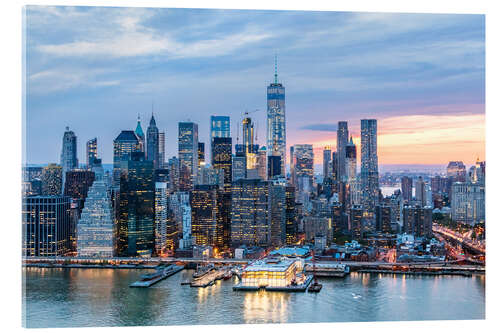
(351, 162)
(303, 156)
(173, 174)
(188, 155)
(356, 221)
(342, 139)
(78, 182)
(91, 152)
(262, 163)
(153, 143)
(468, 202)
(69, 155)
(161, 217)
(126, 143)
(277, 211)
(273, 166)
(222, 157)
(420, 195)
(369, 164)
(456, 170)
(136, 214)
(96, 228)
(327, 156)
(239, 167)
(276, 121)
(407, 188)
(46, 225)
(140, 135)
(161, 150)
(201, 154)
(291, 228)
(383, 218)
(220, 127)
(52, 180)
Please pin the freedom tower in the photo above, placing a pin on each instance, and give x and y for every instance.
(276, 125)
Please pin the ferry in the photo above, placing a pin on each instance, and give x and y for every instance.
(202, 271)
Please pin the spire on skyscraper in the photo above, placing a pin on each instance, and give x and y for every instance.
(138, 129)
(275, 68)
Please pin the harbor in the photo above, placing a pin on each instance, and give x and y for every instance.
(161, 273)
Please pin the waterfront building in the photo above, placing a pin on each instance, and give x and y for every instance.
(383, 218)
(140, 134)
(153, 143)
(69, 156)
(91, 152)
(327, 155)
(457, 171)
(468, 202)
(342, 139)
(369, 164)
(417, 220)
(356, 224)
(95, 228)
(204, 210)
(276, 122)
(161, 150)
(351, 162)
(239, 167)
(407, 188)
(220, 127)
(291, 228)
(126, 143)
(52, 180)
(271, 272)
(136, 207)
(46, 225)
(188, 155)
(249, 213)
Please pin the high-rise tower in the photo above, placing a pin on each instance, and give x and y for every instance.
(139, 133)
(351, 165)
(276, 122)
(69, 159)
(369, 164)
(342, 139)
(188, 155)
(152, 144)
(91, 152)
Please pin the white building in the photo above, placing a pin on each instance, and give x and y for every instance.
(161, 216)
(468, 202)
(95, 229)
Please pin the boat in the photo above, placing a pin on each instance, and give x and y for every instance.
(315, 287)
(202, 271)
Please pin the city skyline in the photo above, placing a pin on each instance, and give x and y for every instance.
(428, 117)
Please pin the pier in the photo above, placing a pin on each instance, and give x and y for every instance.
(209, 279)
(167, 272)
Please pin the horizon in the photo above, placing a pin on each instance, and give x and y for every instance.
(427, 97)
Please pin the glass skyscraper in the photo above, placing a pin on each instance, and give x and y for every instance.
(188, 155)
(220, 127)
(369, 164)
(69, 159)
(152, 143)
(91, 152)
(276, 122)
(124, 145)
(342, 138)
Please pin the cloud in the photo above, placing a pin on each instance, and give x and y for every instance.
(320, 127)
(56, 80)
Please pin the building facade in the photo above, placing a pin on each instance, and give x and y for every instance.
(153, 143)
(342, 139)
(369, 164)
(188, 155)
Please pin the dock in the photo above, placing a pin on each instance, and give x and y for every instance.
(209, 279)
(171, 270)
(291, 288)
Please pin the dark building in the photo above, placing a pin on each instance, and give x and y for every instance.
(124, 145)
(339, 224)
(46, 225)
(356, 221)
(204, 209)
(136, 215)
(201, 153)
(335, 168)
(222, 157)
(369, 165)
(291, 216)
(417, 220)
(273, 166)
(91, 152)
(277, 212)
(77, 185)
(153, 143)
(31, 173)
(407, 188)
(383, 218)
(188, 155)
(52, 180)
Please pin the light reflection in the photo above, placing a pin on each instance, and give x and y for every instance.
(264, 307)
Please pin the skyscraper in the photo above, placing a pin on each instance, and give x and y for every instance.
(188, 155)
(91, 152)
(383, 218)
(273, 166)
(201, 154)
(277, 211)
(221, 157)
(140, 134)
(417, 220)
(303, 169)
(342, 138)
(153, 143)
(136, 207)
(369, 164)
(420, 195)
(327, 155)
(220, 127)
(407, 188)
(291, 228)
(262, 163)
(69, 157)
(161, 150)
(95, 229)
(276, 122)
(126, 143)
(351, 162)
(456, 170)
(46, 225)
(161, 215)
(52, 180)
(204, 211)
(356, 222)
(250, 149)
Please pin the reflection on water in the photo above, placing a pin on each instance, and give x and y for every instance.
(102, 297)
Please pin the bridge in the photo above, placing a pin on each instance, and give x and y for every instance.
(472, 244)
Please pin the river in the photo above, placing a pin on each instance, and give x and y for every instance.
(73, 297)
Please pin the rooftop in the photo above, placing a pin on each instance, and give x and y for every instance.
(269, 265)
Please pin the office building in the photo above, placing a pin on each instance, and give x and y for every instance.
(457, 171)
(468, 202)
(276, 122)
(69, 156)
(188, 155)
(327, 155)
(383, 218)
(351, 162)
(417, 220)
(204, 210)
(46, 225)
(91, 152)
(277, 213)
(356, 221)
(249, 213)
(239, 167)
(420, 195)
(273, 166)
(369, 164)
(96, 228)
(173, 174)
(220, 127)
(153, 143)
(161, 150)
(262, 163)
(201, 154)
(342, 139)
(126, 143)
(407, 188)
(161, 216)
(291, 228)
(52, 180)
(140, 135)
(136, 214)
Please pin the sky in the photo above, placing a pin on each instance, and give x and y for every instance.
(95, 69)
